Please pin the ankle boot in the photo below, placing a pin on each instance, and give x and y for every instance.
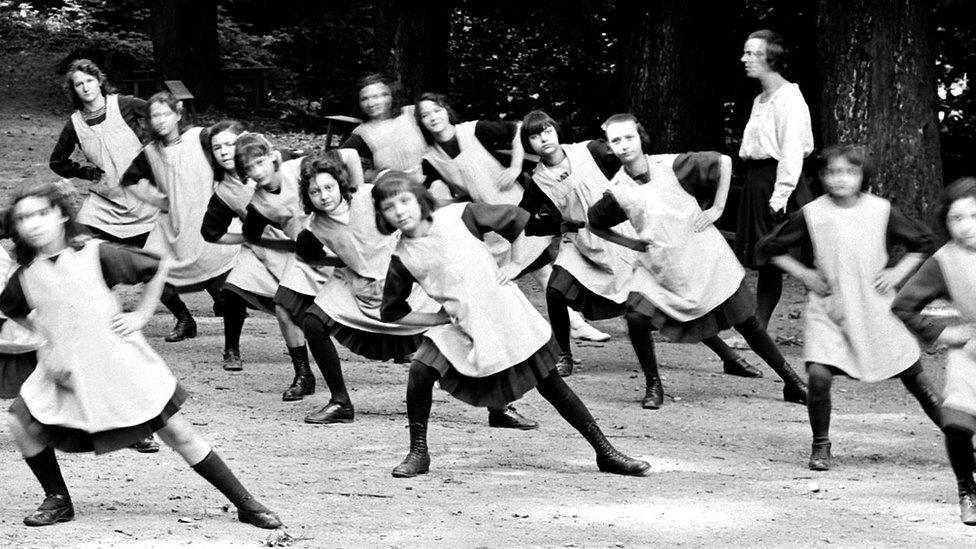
(820, 457)
(55, 508)
(303, 384)
(417, 461)
(967, 501)
(608, 458)
(654, 391)
(565, 365)
(795, 390)
(185, 328)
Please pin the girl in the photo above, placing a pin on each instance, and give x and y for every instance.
(98, 385)
(845, 237)
(589, 274)
(343, 221)
(951, 274)
(672, 289)
(176, 166)
(774, 143)
(107, 128)
(492, 346)
(254, 279)
(462, 156)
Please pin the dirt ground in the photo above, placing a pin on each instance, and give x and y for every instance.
(728, 456)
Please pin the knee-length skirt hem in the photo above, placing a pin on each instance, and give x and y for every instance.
(754, 219)
(212, 282)
(295, 303)
(68, 439)
(14, 370)
(371, 345)
(253, 300)
(914, 369)
(734, 310)
(589, 304)
(497, 389)
(953, 418)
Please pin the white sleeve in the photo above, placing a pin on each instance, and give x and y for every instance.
(795, 140)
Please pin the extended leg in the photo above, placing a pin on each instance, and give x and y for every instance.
(818, 408)
(57, 506)
(639, 329)
(339, 409)
(760, 342)
(234, 313)
(420, 386)
(185, 327)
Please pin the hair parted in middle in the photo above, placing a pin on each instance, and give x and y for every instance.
(393, 182)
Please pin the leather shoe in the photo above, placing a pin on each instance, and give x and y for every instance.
(333, 412)
(796, 395)
(262, 519)
(55, 508)
(185, 328)
(509, 418)
(565, 365)
(232, 360)
(147, 445)
(414, 464)
(653, 396)
(820, 457)
(739, 367)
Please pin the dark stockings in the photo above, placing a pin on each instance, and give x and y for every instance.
(235, 311)
(45, 467)
(639, 330)
(959, 446)
(559, 318)
(327, 357)
(769, 289)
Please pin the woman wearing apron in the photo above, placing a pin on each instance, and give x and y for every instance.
(106, 127)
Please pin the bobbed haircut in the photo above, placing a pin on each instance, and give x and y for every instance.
(857, 155)
(777, 54)
(438, 99)
(206, 139)
(59, 195)
(960, 189)
(393, 182)
(535, 123)
(90, 68)
(170, 100)
(628, 117)
(249, 146)
(329, 162)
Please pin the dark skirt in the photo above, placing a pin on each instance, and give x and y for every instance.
(253, 300)
(497, 389)
(211, 284)
(295, 303)
(68, 439)
(736, 309)
(137, 241)
(754, 219)
(589, 304)
(953, 418)
(371, 345)
(14, 370)
(912, 370)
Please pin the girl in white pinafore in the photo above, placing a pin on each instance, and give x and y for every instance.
(175, 164)
(950, 274)
(98, 385)
(492, 346)
(106, 128)
(590, 274)
(849, 328)
(687, 282)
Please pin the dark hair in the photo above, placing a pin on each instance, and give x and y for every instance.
(249, 146)
(960, 189)
(90, 68)
(535, 123)
(396, 104)
(59, 195)
(393, 182)
(855, 154)
(439, 99)
(628, 117)
(206, 139)
(170, 100)
(777, 55)
(329, 162)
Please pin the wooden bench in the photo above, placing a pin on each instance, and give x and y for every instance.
(143, 83)
(339, 127)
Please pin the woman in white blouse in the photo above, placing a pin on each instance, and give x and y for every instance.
(776, 139)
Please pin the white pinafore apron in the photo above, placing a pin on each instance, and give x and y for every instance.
(493, 325)
(112, 146)
(258, 269)
(475, 171)
(184, 175)
(285, 209)
(354, 293)
(88, 377)
(14, 338)
(396, 143)
(683, 273)
(958, 267)
(853, 328)
(601, 267)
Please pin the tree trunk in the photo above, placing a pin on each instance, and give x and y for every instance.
(878, 89)
(186, 47)
(670, 59)
(411, 44)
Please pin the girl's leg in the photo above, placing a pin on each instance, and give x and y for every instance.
(43, 463)
(572, 409)
(180, 436)
(579, 329)
(959, 446)
(760, 342)
(559, 318)
(304, 382)
(919, 385)
(732, 362)
(215, 289)
(818, 408)
(339, 409)
(420, 387)
(769, 288)
(639, 329)
(235, 311)
(185, 327)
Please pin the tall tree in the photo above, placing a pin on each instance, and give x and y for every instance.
(411, 44)
(186, 48)
(878, 88)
